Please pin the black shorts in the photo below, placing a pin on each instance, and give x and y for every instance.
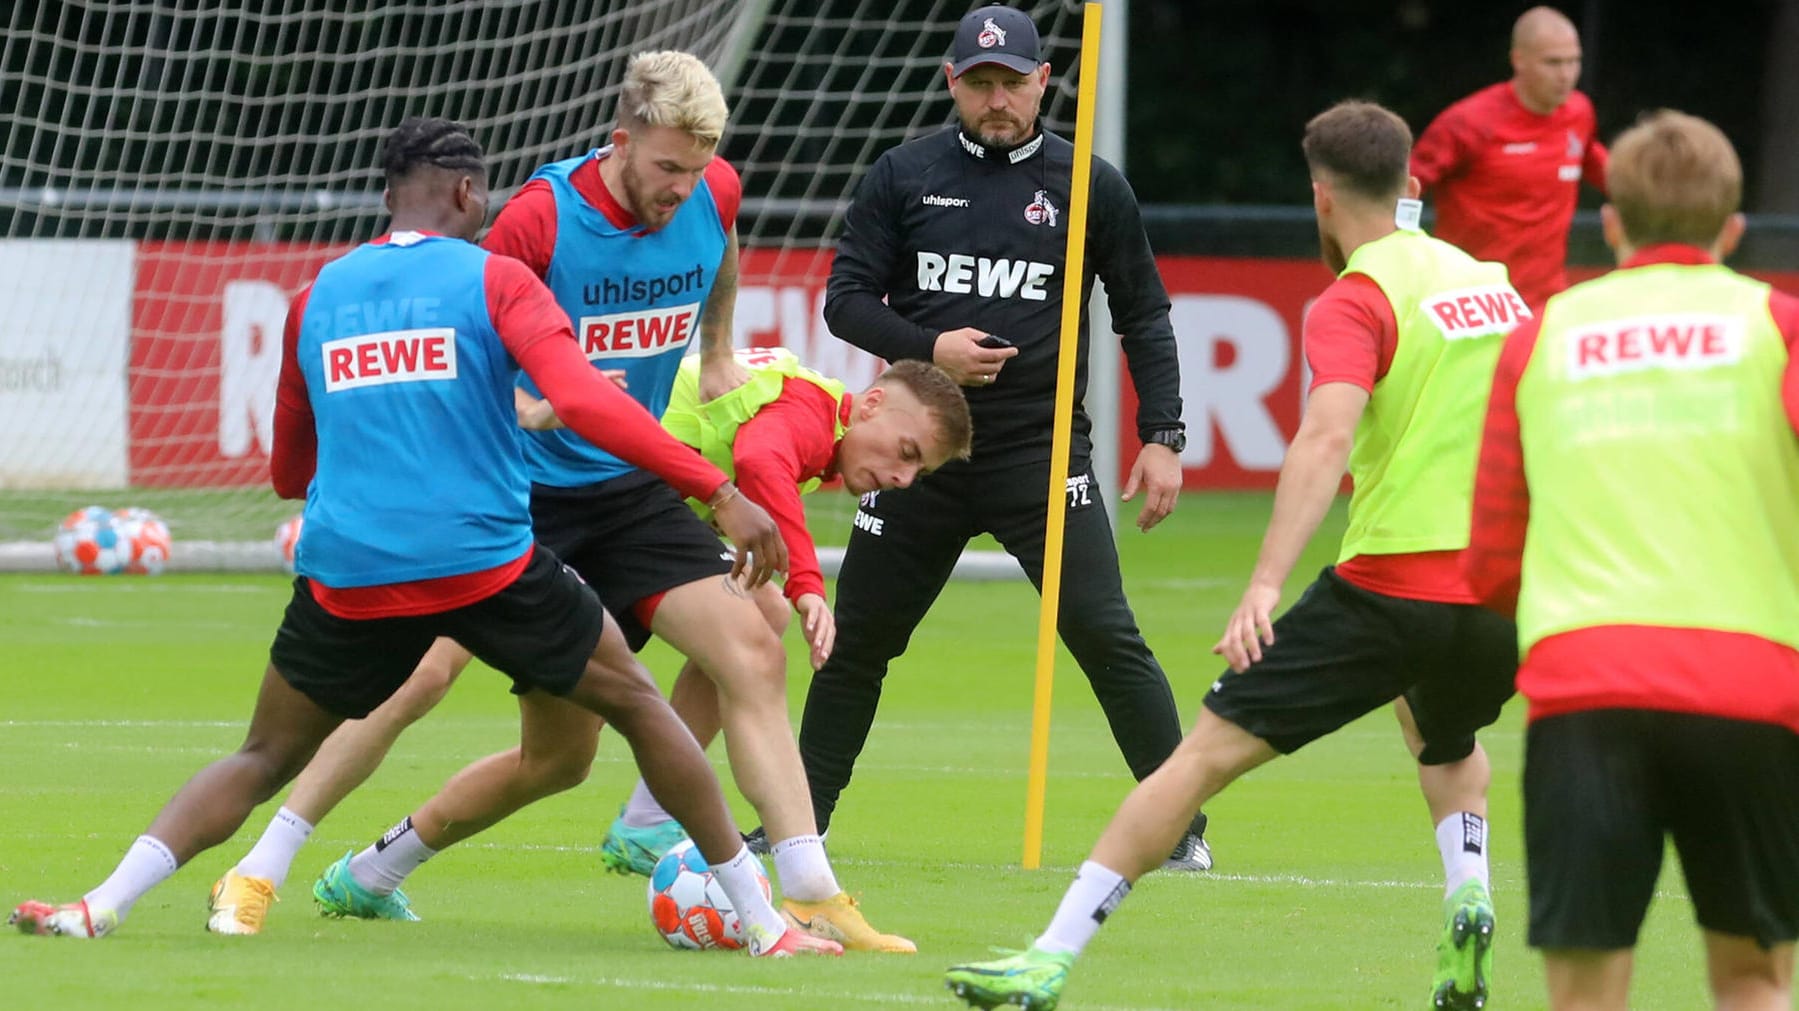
(540, 631)
(1341, 651)
(1604, 789)
(631, 537)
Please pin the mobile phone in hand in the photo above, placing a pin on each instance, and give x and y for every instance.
(994, 340)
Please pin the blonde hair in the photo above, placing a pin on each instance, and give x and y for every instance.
(673, 89)
(1673, 178)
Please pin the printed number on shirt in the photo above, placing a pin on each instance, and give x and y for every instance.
(756, 358)
(639, 333)
(396, 356)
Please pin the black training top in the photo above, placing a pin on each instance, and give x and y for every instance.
(953, 234)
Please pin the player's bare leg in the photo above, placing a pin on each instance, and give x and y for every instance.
(1136, 841)
(1157, 812)
(721, 628)
(285, 730)
(1586, 980)
(717, 626)
(1456, 793)
(1745, 976)
(241, 899)
(557, 743)
(355, 750)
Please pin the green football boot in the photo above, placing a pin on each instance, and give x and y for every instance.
(1465, 954)
(1031, 979)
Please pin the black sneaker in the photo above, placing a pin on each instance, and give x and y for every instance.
(1190, 854)
(757, 840)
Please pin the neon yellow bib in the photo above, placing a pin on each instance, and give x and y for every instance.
(1419, 438)
(712, 427)
(1654, 441)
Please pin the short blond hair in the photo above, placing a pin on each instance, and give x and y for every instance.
(1673, 178)
(673, 89)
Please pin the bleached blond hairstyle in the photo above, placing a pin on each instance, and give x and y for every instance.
(673, 89)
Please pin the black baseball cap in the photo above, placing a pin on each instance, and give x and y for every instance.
(996, 34)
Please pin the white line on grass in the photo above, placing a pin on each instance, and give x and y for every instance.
(808, 994)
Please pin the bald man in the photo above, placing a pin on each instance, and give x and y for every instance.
(1504, 165)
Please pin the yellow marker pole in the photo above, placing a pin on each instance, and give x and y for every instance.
(1062, 438)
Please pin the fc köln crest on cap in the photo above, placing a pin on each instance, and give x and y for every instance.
(1040, 211)
(991, 35)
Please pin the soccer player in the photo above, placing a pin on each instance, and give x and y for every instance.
(1637, 504)
(637, 242)
(952, 238)
(787, 430)
(395, 401)
(1402, 347)
(1504, 165)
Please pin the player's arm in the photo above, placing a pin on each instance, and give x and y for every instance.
(1495, 556)
(719, 371)
(295, 454)
(1350, 336)
(537, 333)
(1593, 163)
(1138, 301)
(1440, 149)
(1785, 310)
(788, 441)
(868, 255)
(1310, 476)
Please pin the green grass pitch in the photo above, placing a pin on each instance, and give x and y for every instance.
(1325, 895)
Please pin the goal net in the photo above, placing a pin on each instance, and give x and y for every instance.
(170, 174)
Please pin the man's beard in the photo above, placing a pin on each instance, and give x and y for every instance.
(1019, 133)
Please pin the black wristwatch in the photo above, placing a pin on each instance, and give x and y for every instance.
(1173, 438)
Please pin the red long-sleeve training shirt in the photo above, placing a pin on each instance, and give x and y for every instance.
(790, 440)
(1729, 674)
(1504, 181)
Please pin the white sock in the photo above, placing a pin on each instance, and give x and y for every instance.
(384, 866)
(146, 864)
(274, 853)
(1462, 842)
(741, 878)
(1096, 892)
(803, 869)
(642, 811)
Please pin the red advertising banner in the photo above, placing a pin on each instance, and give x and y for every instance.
(206, 347)
(206, 322)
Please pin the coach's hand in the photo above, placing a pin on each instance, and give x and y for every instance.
(1250, 628)
(1158, 473)
(760, 550)
(819, 625)
(959, 353)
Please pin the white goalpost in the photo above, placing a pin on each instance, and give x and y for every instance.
(170, 176)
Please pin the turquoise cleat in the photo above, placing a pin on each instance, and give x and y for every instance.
(338, 894)
(629, 850)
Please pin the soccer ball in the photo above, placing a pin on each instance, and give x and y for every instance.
(145, 538)
(88, 542)
(287, 539)
(688, 905)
